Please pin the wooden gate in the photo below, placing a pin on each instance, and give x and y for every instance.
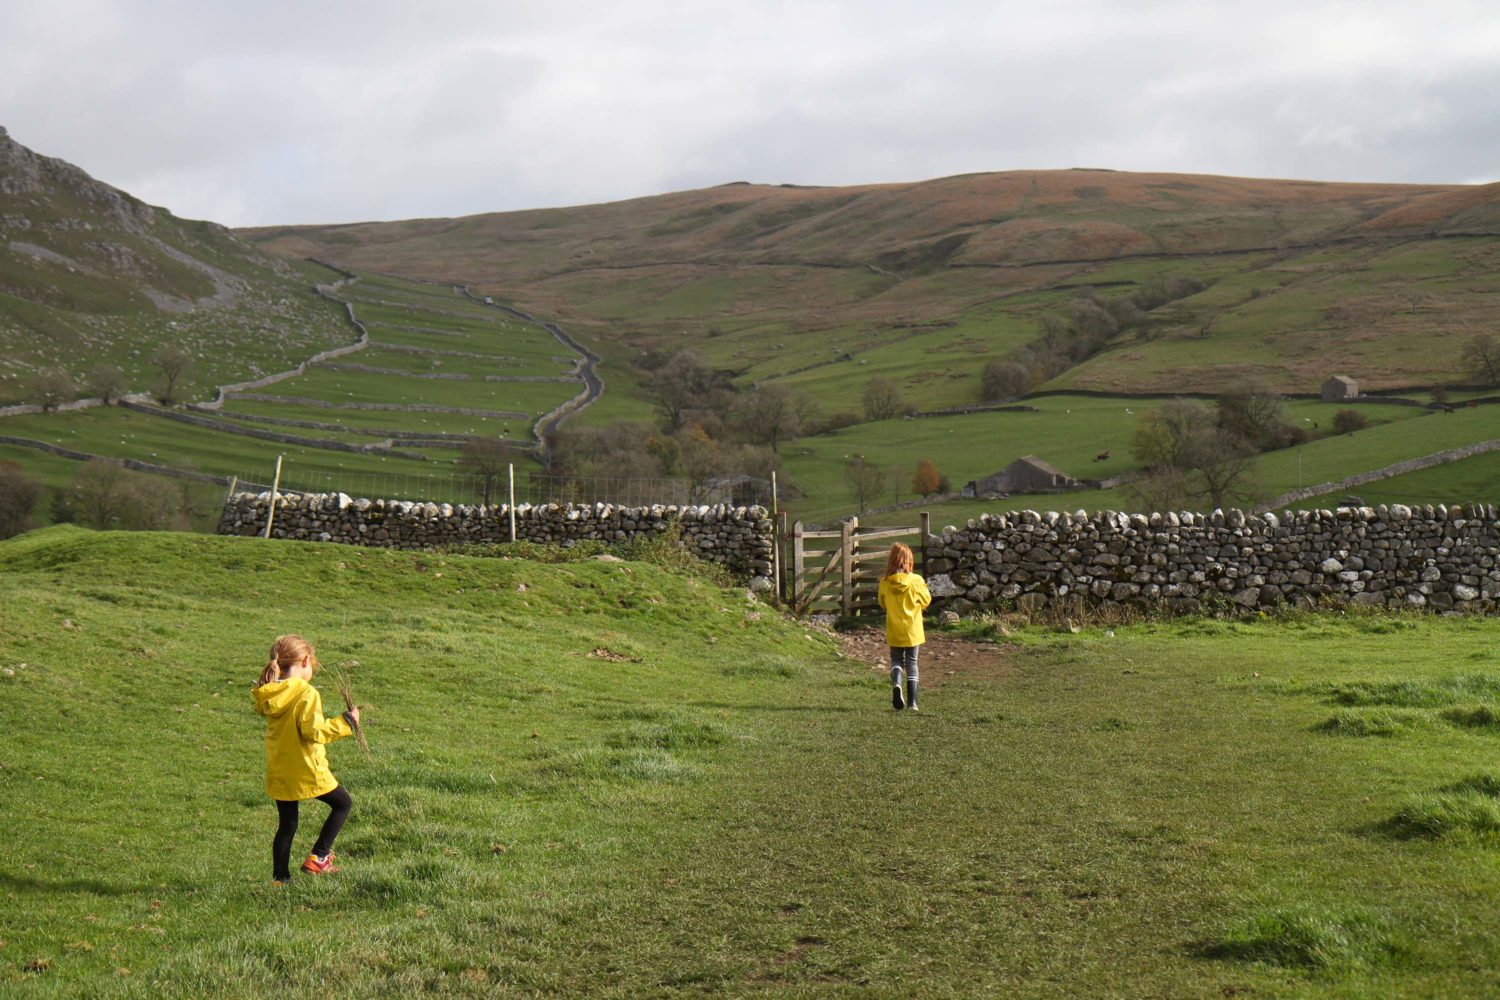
(838, 572)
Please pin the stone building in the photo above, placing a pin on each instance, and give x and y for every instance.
(1028, 474)
(1339, 387)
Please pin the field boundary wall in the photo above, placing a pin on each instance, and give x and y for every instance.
(1438, 557)
(741, 539)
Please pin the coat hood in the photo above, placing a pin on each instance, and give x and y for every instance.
(901, 583)
(277, 698)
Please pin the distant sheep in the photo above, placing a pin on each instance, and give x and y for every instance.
(1103, 456)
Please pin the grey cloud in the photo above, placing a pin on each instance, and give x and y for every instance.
(289, 112)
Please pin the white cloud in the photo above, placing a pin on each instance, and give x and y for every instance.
(290, 112)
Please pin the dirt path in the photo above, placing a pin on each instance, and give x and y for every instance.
(943, 658)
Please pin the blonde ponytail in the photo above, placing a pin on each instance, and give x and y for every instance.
(287, 651)
(270, 675)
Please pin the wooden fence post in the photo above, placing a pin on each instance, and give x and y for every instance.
(271, 508)
(846, 554)
(511, 467)
(799, 564)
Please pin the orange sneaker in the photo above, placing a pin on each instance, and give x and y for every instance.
(319, 866)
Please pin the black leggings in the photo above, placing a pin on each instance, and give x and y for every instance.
(339, 805)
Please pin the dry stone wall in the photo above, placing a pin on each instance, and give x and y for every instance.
(739, 538)
(1443, 558)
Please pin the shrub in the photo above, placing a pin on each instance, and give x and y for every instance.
(927, 478)
(1349, 421)
(105, 495)
(20, 495)
(1003, 380)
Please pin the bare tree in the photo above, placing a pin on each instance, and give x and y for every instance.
(1481, 358)
(50, 388)
(106, 495)
(683, 383)
(174, 363)
(864, 479)
(896, 476)
(1187, 452)
(772, 413)
(1414, 298)
(1255, 411)
(107, 382)
(485, 458)
(882, 399)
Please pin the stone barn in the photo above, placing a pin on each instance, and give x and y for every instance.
(1025, 475)
(1339, 387)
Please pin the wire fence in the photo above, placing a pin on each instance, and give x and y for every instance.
(530, 487)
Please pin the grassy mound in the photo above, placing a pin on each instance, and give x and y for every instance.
(1468, 807)
(1314, 938)
(1380, 722)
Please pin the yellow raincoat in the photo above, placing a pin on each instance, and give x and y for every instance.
(903, 596)
(296, 763)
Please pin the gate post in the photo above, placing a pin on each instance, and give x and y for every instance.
(926, 527)
(799, 565)
(846, 554)
(778, 556)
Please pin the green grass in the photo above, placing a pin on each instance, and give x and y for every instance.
(364, 421)
(1470, 480)
(622, 781)
(360, 387)
(120, 433)
(1069, 431)
(512, 347)
(1314, 938)
(1468, 808)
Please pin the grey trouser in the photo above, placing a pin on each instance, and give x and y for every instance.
(903, 662)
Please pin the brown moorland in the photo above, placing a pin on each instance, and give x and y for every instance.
(1381, 281)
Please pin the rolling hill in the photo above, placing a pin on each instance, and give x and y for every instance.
(91, 275)
(819, 289)
(825, 287)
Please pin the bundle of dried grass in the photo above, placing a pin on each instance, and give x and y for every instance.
(347, 693)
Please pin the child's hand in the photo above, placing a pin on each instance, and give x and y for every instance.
(354, 715)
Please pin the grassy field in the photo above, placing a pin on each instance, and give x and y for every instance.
(504, 345)
(621, 781)
(1071, 431)
(1471, 480)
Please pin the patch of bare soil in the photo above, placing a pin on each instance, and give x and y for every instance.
(943, 657)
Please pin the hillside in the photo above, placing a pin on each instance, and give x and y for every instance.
(824, 287)
(90, 275)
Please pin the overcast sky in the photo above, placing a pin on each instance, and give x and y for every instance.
(296, 112)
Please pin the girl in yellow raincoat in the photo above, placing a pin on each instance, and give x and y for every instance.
(903, 595)
(296, 763)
